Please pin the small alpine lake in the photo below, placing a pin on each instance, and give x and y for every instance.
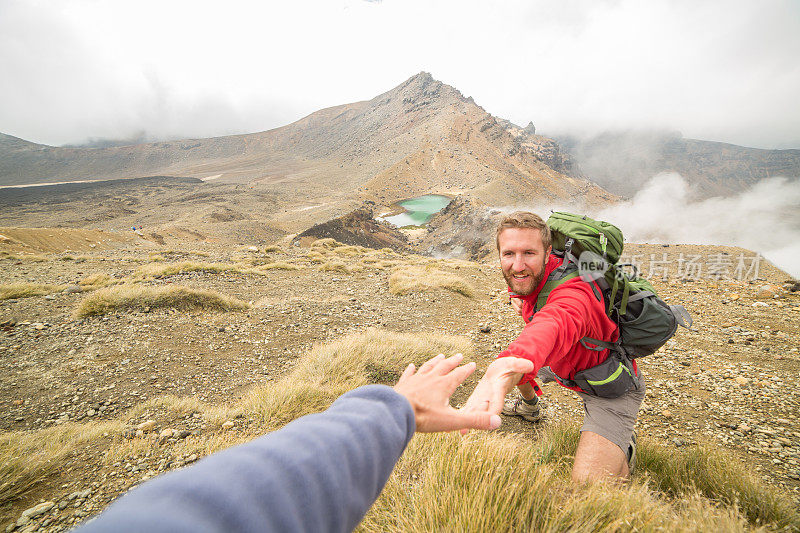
(418, 211)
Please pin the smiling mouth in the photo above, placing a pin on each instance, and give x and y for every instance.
(520, 277)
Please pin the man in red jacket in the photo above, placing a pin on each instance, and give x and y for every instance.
(551, 338)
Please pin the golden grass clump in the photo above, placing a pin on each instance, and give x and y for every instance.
(33, 258)
(492, 482)
(714, 474)
(278, 265)
(28, 457)
(338, 266)
(27, 290)
(419, 278)
(351, 250)
(274, 248)
(326, 243)
(139, 297)
(96, 281)
(331, 369)
(171, 269)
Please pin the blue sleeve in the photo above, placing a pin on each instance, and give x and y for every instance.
(319, 473)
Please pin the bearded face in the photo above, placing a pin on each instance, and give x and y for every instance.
(522, 258)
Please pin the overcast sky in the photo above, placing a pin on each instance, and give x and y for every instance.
(721, 70)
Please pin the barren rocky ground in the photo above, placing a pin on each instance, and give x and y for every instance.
(729, 381)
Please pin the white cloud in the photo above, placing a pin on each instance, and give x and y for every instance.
(763, 218)
(85, 68)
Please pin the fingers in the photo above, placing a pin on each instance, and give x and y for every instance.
(430, 363)
(409, 371)
(464, 420)
(459, 374)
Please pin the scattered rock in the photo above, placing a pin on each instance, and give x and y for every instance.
(767, 291)
(485, 328)
(73, 289)
(227, 425)
(147, 426)
(741, 380)
(37, 510)
(666, 413)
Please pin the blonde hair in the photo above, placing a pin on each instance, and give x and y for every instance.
(524, 219)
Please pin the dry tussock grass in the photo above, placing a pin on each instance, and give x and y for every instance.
(326, 243)
(32, 258)
(346, 250)
(28, 457)
(491, 482)
(407, 279)
(27, 290)
(97, 281)
(273, 249)
(331, 369)
(171, 269)
(715, 475)
(139, 297)
(338, 266)
(276, 265)
(248, 266)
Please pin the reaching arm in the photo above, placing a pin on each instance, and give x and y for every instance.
(319, 473)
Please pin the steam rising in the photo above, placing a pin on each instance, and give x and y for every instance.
(764, 218)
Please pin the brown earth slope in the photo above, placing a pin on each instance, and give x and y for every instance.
(422, 136)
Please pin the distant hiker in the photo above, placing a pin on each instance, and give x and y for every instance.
(553, 340)
(320, 473)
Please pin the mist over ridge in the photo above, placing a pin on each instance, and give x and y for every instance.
(764, 218)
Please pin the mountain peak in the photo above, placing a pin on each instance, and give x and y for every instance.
(422, 89)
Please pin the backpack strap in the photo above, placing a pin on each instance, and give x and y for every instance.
(556, 278)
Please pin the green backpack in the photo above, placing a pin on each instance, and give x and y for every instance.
(591, 249)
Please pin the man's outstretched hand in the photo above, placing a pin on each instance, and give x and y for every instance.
(499, 379)
(429, 389)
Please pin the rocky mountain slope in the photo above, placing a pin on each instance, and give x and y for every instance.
(622, 162)
(358, 228)
(422, 136)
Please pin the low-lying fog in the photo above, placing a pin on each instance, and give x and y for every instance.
(764, 218)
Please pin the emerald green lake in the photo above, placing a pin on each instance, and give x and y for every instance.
(419, 210)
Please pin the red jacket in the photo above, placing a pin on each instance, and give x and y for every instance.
(550, 337)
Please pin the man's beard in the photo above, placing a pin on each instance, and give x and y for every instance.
(536, 279)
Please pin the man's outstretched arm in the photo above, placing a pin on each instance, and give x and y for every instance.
(319, 473)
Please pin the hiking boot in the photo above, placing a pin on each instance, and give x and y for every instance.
(632, 455)
(519, 407)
